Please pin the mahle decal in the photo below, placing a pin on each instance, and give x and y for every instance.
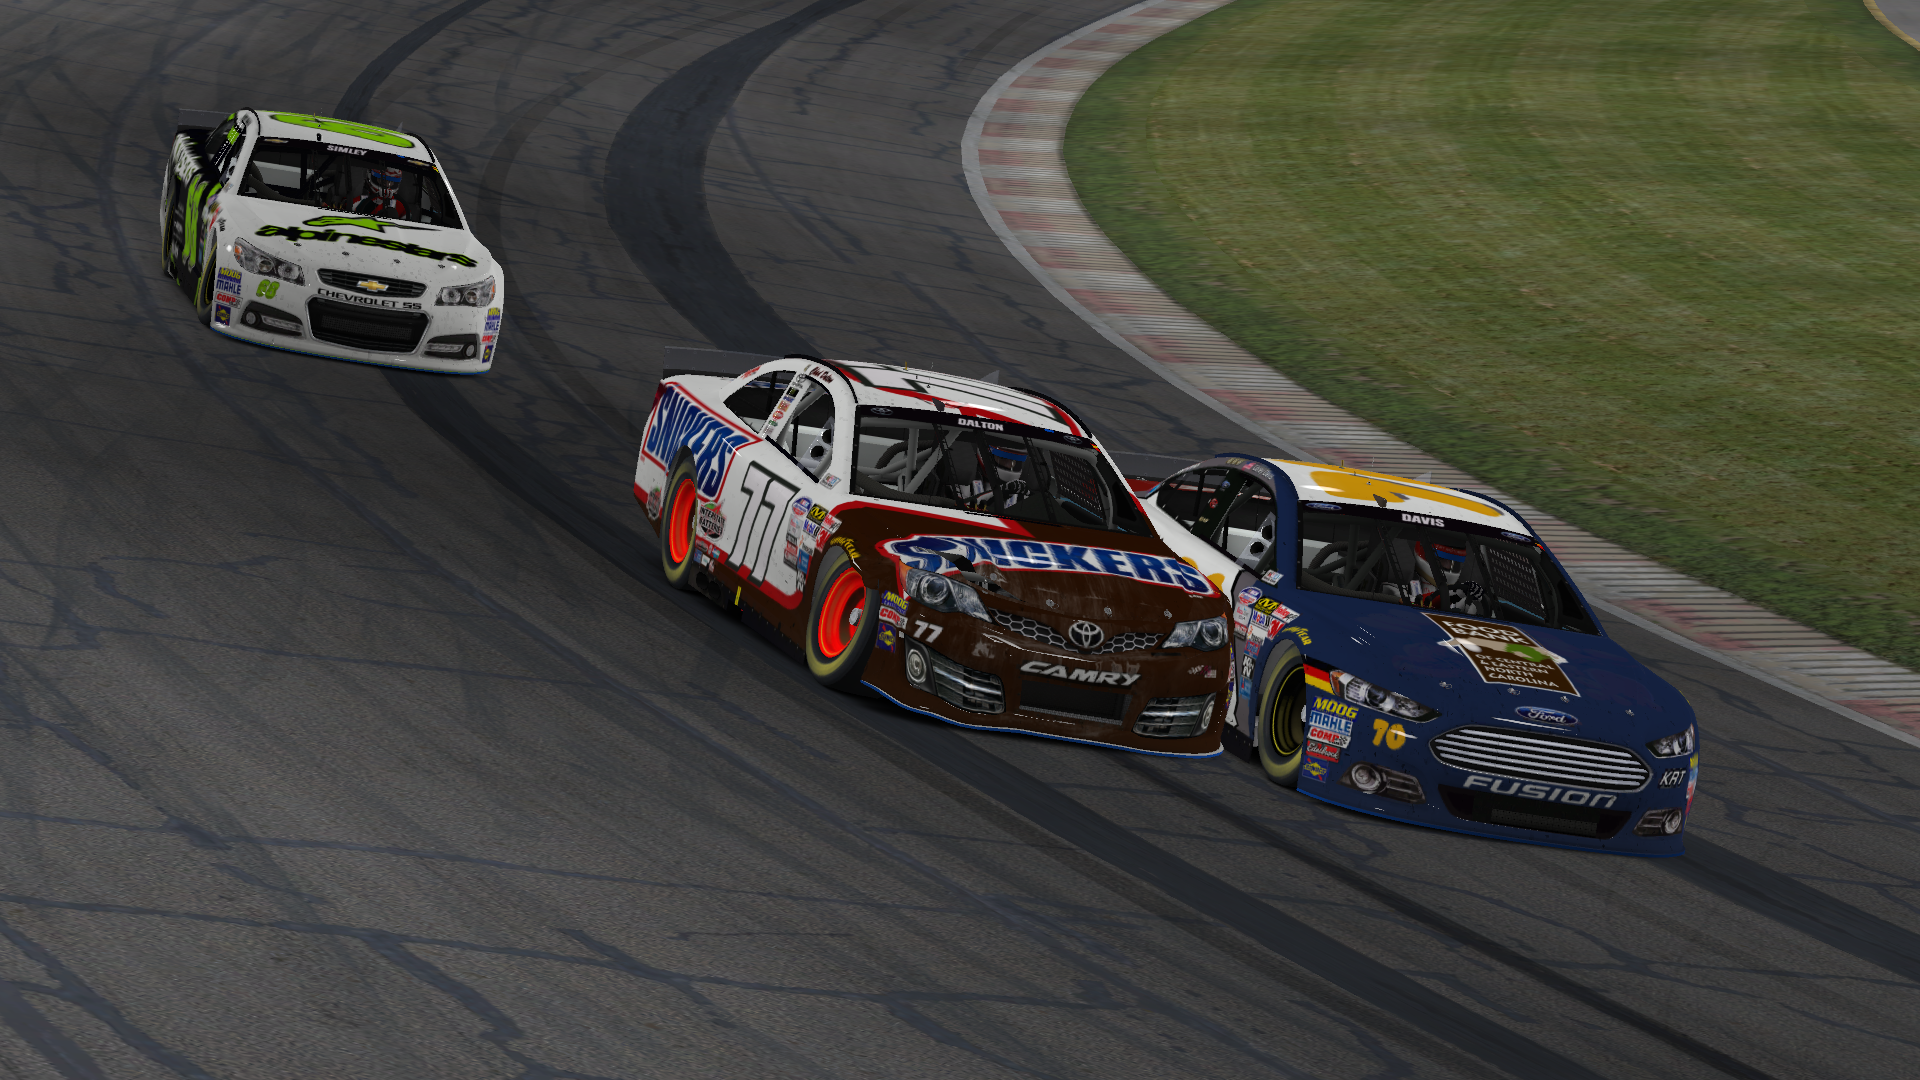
(344, 127)
(374, 224)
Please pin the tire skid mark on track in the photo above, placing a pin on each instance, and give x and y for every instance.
(1798, 906)
(656, 194)
(903, 1005)
(438, 402)
(360, 92)
(1413, 909)
(690, 105)
(214, 385)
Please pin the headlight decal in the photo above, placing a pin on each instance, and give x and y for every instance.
(1678, 744)
(1206, 635)
(477, 295)
(945, 594)
(1361, 692)
(255, 261)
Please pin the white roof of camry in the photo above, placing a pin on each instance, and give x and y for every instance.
(1338, 484)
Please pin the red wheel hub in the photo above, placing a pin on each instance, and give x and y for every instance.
(681, 506)
(841, 613)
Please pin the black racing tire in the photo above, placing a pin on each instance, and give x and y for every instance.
(842, 621)
(679, 520)
(172, 239)
(203, 287)
(1280, 727)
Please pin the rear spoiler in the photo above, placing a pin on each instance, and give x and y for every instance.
(721, 363)
(197, 121)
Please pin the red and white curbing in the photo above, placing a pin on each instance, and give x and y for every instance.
(1019, 179)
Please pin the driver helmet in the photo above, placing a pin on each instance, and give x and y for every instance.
(1009, 460)
(384, 181)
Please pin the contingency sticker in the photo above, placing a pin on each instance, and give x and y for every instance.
(893, 609)
(1331, 722)
(1315, 769)
(1504, 654)
(1243, 608)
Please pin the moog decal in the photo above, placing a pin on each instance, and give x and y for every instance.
(923, 553)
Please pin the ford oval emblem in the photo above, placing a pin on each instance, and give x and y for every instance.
(1546, 716)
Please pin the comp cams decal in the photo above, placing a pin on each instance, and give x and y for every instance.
(1504, 654)
(924, 553)
(682, 423)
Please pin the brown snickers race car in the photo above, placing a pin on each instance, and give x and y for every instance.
(965, 549)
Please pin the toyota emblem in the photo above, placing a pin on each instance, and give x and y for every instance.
(1085, 635)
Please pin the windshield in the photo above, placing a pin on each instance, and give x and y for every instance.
(1435, 563)
(350, 180)
(990, 467)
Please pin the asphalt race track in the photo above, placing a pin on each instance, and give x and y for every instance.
(351, 731)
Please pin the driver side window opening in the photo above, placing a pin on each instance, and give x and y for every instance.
(754, 402)
(1248, 531)
(807, 437)
(222, 143)
(1228, 509)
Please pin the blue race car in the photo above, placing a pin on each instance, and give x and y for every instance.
(1415, 652)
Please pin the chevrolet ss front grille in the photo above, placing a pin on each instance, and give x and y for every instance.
(1036, 630)
(372, 284)
(1527, 756)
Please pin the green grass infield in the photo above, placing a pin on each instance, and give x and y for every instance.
(1651, 265)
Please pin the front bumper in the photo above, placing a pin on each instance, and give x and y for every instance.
(1415, 788)
(1169, 702)
(322, 321)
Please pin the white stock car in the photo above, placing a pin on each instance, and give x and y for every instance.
(328, 237)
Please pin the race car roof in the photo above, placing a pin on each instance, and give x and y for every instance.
(879, 384)
(1338, 484)
(292, 125)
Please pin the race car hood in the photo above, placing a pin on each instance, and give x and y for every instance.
(1505, 671)
(357, 241)
(1067, 573)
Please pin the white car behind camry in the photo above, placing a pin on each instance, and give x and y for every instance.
(327, 237)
